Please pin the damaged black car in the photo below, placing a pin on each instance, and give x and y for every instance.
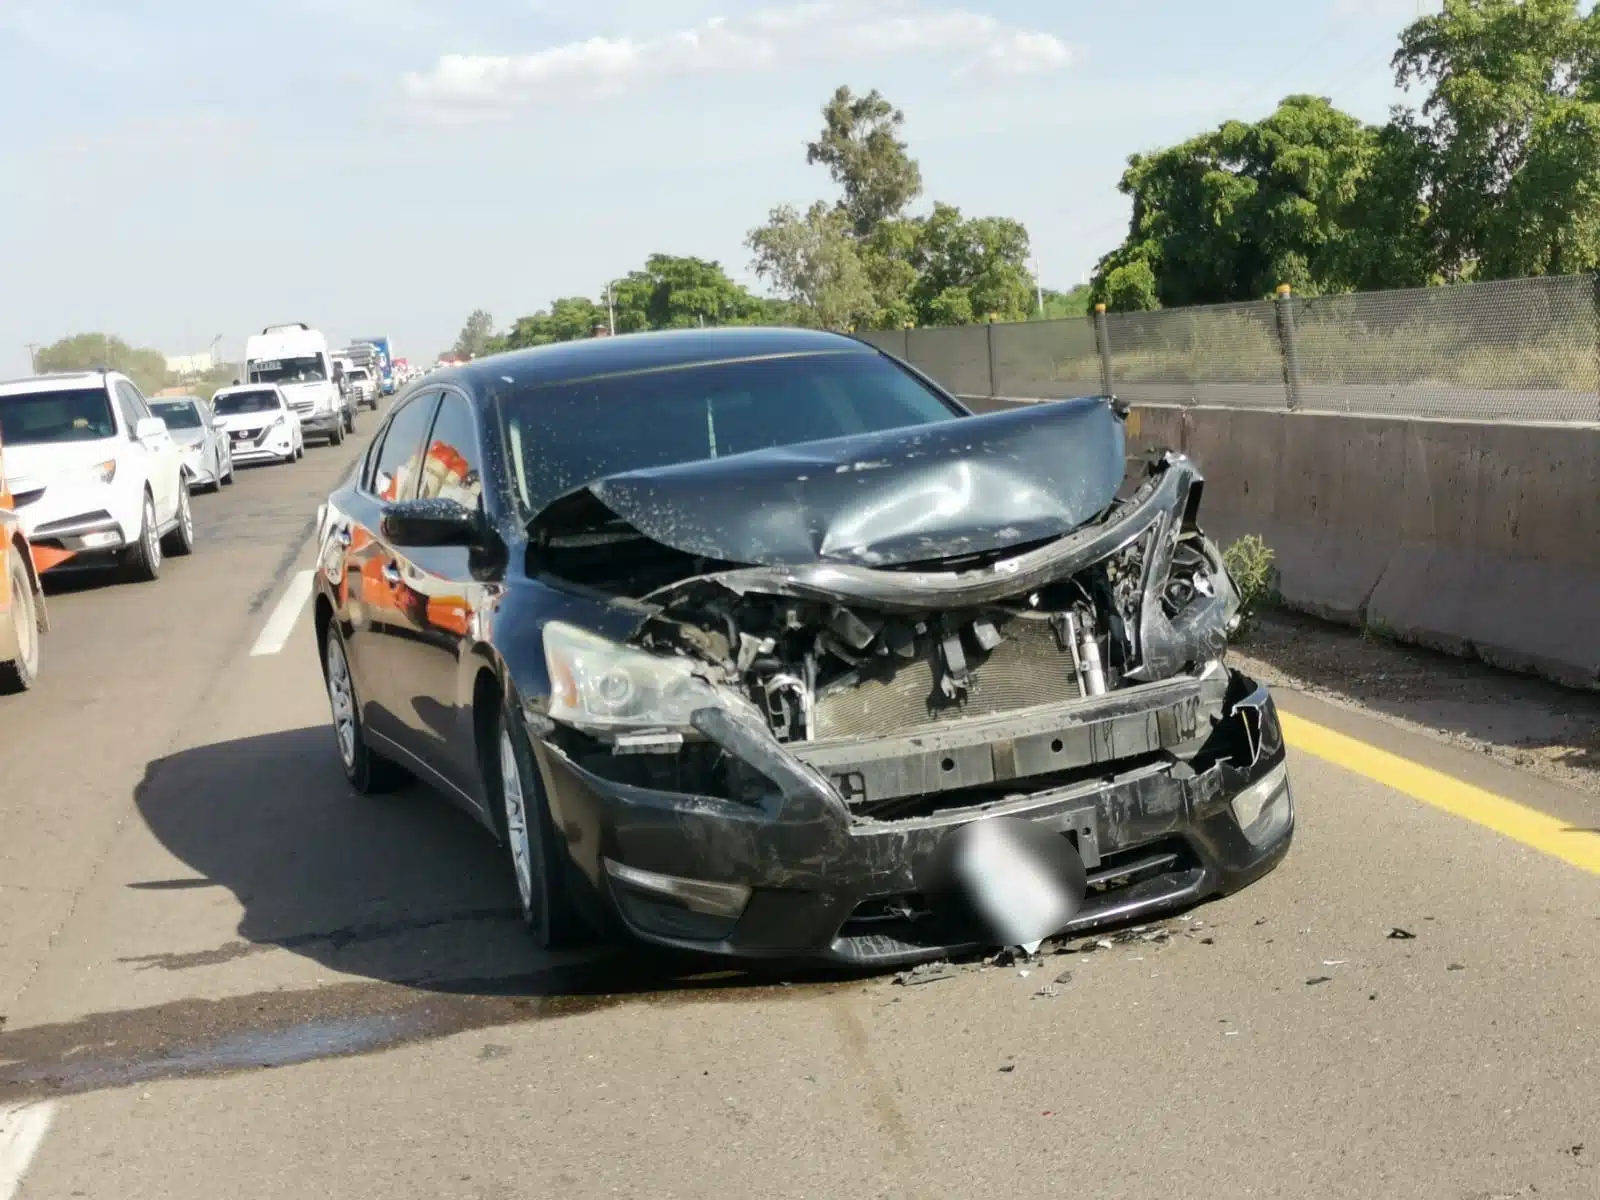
(757, 642)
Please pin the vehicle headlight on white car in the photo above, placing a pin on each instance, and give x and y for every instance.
(601, 685)
(103, 472)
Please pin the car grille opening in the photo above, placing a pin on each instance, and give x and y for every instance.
(1029, 667)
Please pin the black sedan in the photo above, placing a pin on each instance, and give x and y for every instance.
(758, 642)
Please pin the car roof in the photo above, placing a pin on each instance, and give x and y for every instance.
(176, 400)
(56, 382)
(247, 387)
(588, 358)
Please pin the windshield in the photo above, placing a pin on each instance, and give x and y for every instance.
(177, 414)
(563, 436)
(233, 404)
(360, 373)
(66, 415)
(308, 369)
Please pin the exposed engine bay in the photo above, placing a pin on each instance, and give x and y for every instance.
(821, 670)
(828, 652)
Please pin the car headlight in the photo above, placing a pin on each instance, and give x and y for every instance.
(103, 472)
(279, 423)
(598, 684)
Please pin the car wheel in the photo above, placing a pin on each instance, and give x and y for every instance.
(180, 542)
(227, 480)
(336, 438)
(523, 815)
(19, 674)
(142, 560)
(370, 774)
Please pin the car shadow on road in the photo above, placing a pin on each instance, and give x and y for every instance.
(401, 889)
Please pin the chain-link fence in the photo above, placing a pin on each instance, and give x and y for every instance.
(1512, 350)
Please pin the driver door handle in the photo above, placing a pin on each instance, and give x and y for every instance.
(342, 536)
(391, 573)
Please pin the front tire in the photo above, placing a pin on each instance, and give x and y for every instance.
(369, 773)
(523, 816)
(142, 560)
(19, 674)
(180, 542)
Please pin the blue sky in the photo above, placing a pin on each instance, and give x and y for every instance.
(178, 169)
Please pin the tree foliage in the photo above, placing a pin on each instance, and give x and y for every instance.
(90, 351)
(1508, 136)
(864, 261)
(476, 335)
(861, 146)
(1495, 175)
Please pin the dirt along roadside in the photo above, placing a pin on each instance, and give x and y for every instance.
(1523, 722)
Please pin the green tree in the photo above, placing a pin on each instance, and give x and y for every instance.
(1060, 305)
(861, 146)
(1508, 136)
(475, 336)
(678, 292)
(813, 262)
(89, 351)
(1231, 213)
(568, 319)
(970, 269)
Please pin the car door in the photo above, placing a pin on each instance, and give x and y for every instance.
(432, 681)
(382, 620)
(162, 463)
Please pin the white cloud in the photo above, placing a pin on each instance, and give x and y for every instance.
(822, 32)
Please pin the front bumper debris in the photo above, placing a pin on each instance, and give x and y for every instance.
(1185, 795)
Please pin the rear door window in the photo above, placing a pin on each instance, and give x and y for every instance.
(398, 462)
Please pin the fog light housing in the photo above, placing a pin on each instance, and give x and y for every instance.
(1265, 808)
(697, 895)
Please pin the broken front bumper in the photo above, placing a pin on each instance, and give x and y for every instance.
(1184, 795)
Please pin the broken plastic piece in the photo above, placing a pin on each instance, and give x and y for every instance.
(1401, 935)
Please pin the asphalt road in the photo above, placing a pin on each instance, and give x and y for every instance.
(223, 974)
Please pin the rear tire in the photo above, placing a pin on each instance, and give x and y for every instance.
(142, 560)
(180, 542)
(369, 773)
(522, 815)
(19, 674)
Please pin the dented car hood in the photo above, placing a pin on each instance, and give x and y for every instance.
(959, 487)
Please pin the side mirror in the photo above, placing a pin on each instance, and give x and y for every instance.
(420, 523)
(148, 427)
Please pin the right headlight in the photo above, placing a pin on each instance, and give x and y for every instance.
(599, 684)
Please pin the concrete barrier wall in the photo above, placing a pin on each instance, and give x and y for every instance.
(1478, 539)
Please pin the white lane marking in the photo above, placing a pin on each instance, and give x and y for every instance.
(22, 1131)
(282, 621)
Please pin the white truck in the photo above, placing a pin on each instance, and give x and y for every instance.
(295, 357)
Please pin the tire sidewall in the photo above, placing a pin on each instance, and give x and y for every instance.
(24, 669)
(536, 817)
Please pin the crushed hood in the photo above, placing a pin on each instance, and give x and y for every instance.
(959, 487)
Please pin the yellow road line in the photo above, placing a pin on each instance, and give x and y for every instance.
(1547, 834)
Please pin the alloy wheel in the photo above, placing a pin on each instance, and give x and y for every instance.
(185, 515)
(152, 537)
(516, 813)
(341, 697)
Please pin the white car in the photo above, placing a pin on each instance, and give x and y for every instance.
(94, 474)
(364, 386)
(259, 423)
(206, 458)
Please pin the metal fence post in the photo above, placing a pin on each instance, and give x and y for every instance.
(1594, 283)
(1291, 350)
(1102, 339)
(988, 345)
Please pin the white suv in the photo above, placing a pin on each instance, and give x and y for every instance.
(94, 474)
